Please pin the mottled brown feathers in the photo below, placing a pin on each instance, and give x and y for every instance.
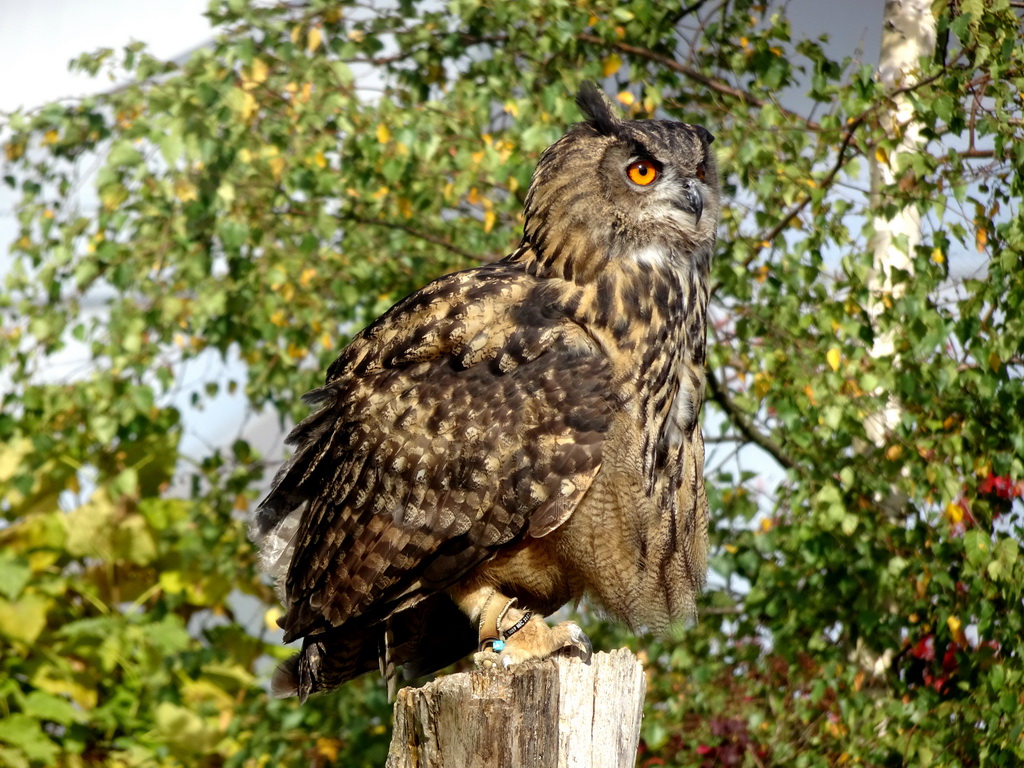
(527, 428)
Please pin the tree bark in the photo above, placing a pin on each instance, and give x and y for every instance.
(555, 713)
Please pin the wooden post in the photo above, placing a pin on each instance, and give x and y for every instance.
(555, 713)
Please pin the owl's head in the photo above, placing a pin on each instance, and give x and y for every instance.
(620, 190)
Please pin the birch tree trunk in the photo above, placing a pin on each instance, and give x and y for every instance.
(908, 33)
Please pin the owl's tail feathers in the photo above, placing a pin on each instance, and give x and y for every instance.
(329, 658)
(285, 681)
(420, 640)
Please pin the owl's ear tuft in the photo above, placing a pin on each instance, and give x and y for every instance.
(704, 133)
(597, 109)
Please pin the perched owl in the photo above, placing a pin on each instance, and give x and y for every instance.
(517, 436)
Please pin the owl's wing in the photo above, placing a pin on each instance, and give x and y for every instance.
(470, 415)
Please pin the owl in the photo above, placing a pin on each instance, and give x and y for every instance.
(517, 436)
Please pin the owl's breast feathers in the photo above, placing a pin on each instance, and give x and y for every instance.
(473, 414)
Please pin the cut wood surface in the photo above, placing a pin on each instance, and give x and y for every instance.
(555, 713)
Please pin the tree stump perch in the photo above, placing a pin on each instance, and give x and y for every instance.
(555, 713)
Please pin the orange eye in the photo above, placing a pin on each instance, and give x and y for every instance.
(701, 171)
(642, 172)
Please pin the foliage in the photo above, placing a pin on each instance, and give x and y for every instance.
(285, 184)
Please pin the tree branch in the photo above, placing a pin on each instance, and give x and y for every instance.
(697, 76)
(746, 426)
(426, 236)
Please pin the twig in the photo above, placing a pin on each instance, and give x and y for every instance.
(745, 426)
(427, 236)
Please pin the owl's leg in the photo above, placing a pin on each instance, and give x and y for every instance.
(511, 635)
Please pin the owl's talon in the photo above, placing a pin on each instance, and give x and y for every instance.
(580, 642)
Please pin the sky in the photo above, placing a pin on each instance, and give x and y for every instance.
(39, 38)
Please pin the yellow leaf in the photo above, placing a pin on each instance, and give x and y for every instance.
(259, 71)
(296, 34)
(248, 105)
(276, 167)
(833, 358)
(981, 239)
(611, 65)
(13, 151)
(380, 194)
(955, 629)
(732, 549)
(511, 108)
(954, 513)
(489, 219)
(894, 452)
(938, 256)
(315, 38)
(383, 134)
(473, 198)
(185, 190)
(296, 352)
(626, 98)
(762, 384)
(766, 524)
(320, 160)
(307, 277)
(881, 156)
(405, 207)
(326, 341)
(50, 137)
(328, 748)
(994, 362)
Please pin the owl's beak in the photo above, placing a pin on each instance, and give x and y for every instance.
(692, 200)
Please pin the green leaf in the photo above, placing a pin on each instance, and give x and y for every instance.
(56, 709)
(25, 733)
(14, 575)
(24, 619)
